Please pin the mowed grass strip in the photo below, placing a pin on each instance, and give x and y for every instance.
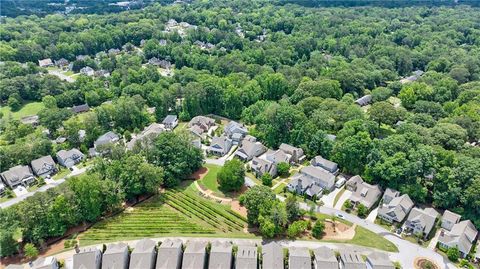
(28, 109)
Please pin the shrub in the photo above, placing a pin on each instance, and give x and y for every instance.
(318, 229)
(453, 254)
(283, 169)
(362, 211)
(296, 228)
(267, 179)
(30, 250)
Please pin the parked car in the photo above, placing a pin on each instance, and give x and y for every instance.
(340, 182)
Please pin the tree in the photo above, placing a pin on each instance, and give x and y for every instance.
(8, 245)
(258, 199)
(296, 228)
(352, 152)
(231, 176)
(283, 169)
(30, 250)
(383, 112)
(267, 228)
(14, 103)
(362, 211)
(318, 228)
(449, 135)
(293, 209)
(267, 179)
(453, 254)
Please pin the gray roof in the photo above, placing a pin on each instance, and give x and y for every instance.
(352, 260)
(220, 256)
(234, 127)
(30, 119)
(261, 165)
(364, 193)
(16, 174)
(389, 194)
(43, 165)
(398, 208)
(14, 266)
(324, 177)
(277, 156)
(424, 218)
(113, 258)
(202, 121)
(167, 257)
(194, 255)
(249, 149)
(364, 100)
(169, 119)
(272, 256)
(328, 165)
(299, 258)
(220, 142)
(291, 149)
(45, 263)
(143, 255)
(451, 217)
(246, 257)
(87, 259)
(325, 258)
(462, 235)
(69, 154)
(80, 108)
(380, 260)
(106, 138)
(151, 131)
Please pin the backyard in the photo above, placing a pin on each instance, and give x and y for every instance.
(28, 109)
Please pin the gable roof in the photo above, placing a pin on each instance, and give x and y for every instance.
(151, 131)
(202, 121)
(250, 149)
(325, 164)
(106, 138)
(113, 257)
(43, 165)
(142, 256)
(234, 127)
(398, 208)
(45, 62)
(86, 258)
(69, 154)
(462, 235)
(220, 255)
(291, 149)
(277, 156)
(364, 193)
(16, 174)
(246, 257)
(45, 263)
(194, 255)
(325, 258)
(299, 258)
(169, 119)
(80, 108)
(272, 256)
(167, 256)
(364, 100)
(352, 260)
(424, 218)
(261, 165)
(451, 217)
(380, 260)
(220, 142)
(322, 175)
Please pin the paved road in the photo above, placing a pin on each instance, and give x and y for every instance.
(43, 188)
(61, 75)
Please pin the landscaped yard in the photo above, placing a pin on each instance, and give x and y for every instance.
(28, 109)
(179, 212)
(337, 197)
(209, 181)
(61, 174)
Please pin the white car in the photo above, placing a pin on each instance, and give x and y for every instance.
(340, 182)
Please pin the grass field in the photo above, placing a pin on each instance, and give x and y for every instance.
(28, 109)
(210, 179)
(179, 212)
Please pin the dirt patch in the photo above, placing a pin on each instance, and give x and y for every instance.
(424, 263)
(199, 174)
(238, 208)
(337, 230)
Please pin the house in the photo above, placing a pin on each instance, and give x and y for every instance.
(301, 186)
(87, 71)
(261, 166)
(246, 257)
(363, 193)
(15, 266)
(161, 63)
(235, 131)
(114, 51)
(170, 122)
(272, 256)
(396, 210)
(81, 57)
(421, 221)
(62, 63)
(80, 108)
(169, 255)
(195, 255)
(351, 260)
(278, 156)
(249, 149)
(30, 120)
(462, 236)
(315, 175)
(143, 255)
(364, 100)
(325, 164)
(2, 188)
(90, 258)
(296, 153)
(299, 258)
(45, 62)
(325, 258)
(416, 75)
(45, 263)
(477, 253)
(107, 138)
(69, 158)
(44, 166)
(221, 256)
(116, 256)
(150, 132)
(220, 145)
(200, 125)
(18, 175)
(379, 260)
(389, 195)
(60, 140)
(102, 73)
(449, 219)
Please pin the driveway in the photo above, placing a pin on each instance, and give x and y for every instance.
(329, 199)
(60, 75)
(345, 196)
(434, 241)
(373, 215)
(20, 191)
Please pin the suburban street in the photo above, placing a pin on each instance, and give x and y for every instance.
(50, 184)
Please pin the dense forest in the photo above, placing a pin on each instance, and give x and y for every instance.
(289, 71)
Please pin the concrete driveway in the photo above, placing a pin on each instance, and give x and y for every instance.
(345, 196)
(20, 191)
(329, 199)
(373, 215)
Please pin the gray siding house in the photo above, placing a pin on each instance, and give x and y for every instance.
(44, 166)
(299, 258)
(45, 263)
(221, 256)
(143, 255)
(170, 122)
(18, 175)
(396, 210)
(363, 193)
(449, 219)
(379, 260)
(325, 258)
(116, 256)
(220, 145)
(69, 158)
(90, 258)
(246, 257)
(462, 235)
(421, 221)
(195, 255)
(330, 166)
(272, 256)
(248, 150)
(170, 255)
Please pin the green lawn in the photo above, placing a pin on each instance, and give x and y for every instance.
(279, 188)
(178, 212)
(28, 109)
(364, 237)
(210, 179)
(61, 174)
(337, 197)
